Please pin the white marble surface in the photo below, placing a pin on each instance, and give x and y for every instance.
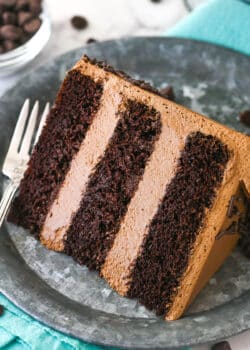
(107, 20)
(110, 19)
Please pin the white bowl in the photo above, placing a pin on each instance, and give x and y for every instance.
(15, 59)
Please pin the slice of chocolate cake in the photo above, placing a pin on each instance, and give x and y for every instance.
(136, 187)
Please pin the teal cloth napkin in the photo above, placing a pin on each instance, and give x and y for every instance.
(223, 22)
(19, 331)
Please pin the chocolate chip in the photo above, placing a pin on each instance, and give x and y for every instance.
(156, 1)
(25, 38)
(9, 18)
(79, 22)
(32, 26)
(10, 32)
(36, 2)
(224, 345)
(35, 7)
(23, 17)
(9, 45)
(245, 117)
(91, 40)
(1, 310)
(22, 5)
(168, 92)
(7, 3)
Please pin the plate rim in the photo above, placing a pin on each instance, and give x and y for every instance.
(13, 296)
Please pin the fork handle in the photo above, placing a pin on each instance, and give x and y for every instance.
(6, 200)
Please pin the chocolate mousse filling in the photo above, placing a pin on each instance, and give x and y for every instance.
(174, 228)
(75, 108)
(112, 185)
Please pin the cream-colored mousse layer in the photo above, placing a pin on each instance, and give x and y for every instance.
(178, 122)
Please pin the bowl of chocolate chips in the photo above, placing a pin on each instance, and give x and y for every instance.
(24, 31)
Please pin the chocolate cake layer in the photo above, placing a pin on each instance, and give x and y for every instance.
(75, 108)
(172, 232)
(112, 185)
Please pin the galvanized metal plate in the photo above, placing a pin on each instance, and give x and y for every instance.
(51, 286)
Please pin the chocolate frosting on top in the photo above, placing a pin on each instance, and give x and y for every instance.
(140, 83)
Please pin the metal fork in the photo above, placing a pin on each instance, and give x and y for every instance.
(19, 151)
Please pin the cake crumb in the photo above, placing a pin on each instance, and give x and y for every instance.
(91, 41)
(1, 310)
(244, 117)
(168, 92)
(224, 345)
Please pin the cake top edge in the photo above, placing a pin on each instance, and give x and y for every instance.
(108, 68)
(144, 85)
(237, 140)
